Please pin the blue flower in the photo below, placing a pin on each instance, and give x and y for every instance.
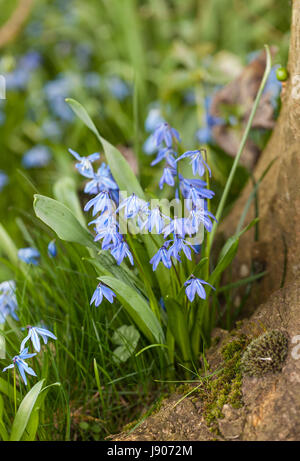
(52, 250)
(167, 177)
(177, 227)
(101, 202)
(204, 134)
(102, 180)
(29, 255)
(33, 334)
(121, 251)
(166, 133)
(132, 205)
(193, 286)
(37, 157)
(100, 292)
(180, 244)
(8, 300)
(155, 220)
(194, 189)
(161, 256)
(19, 360)
(92, 80)
(149, 146)
(3, 180)
(84, 165)
(197, 162)
(118, 88)
(154, 118)
(199, 216)
(166, 154)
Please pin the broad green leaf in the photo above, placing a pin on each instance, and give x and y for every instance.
(126, 338)
(24, 412)
(6, 388)
(61, 219)
(177, 322)
(7, 246)
(65, 192)
(2, 343)
(32, 427)
(138, 308)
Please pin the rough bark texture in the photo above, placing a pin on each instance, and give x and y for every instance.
(271, 403)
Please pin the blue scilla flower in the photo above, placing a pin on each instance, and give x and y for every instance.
(8, 300)
(167, 177)
(107, 230)
(102, 291)
(19, 360)
(101, 202)
(194, 189)
(29, 256)
(118, 88)
(197, 162)
(3, 180)
(155, 220)
(161, 256)
(200, 215)
(193, 286)
(52, 249)
(179, 244)
(92, 80)
(101, 180)
(56, 91)
(197, 194)
(149, 146)
(154, 118)
(166, 133)
(204, 134)
(33, 335)
(84, 165)
(167, 154)
(121, 251)
(37, 157)
(131, 205)
(177, 226)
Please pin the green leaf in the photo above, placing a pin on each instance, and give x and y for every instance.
(177, 322)
(61, 219)
(7, 246)
(6, 388)
(24, 412)
(138, 308)
(126, 338)
(65, 192)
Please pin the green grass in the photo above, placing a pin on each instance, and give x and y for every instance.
(163, 49)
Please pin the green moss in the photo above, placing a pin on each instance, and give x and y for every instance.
(225, 386)
(265, 354)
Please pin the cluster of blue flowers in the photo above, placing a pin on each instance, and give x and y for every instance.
(8, 306)
(109, 207)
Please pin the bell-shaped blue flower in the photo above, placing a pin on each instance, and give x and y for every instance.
(52, 249)
(29, 256)
(23, 368)
(195, 285)
(33, 335)
(102, 291)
